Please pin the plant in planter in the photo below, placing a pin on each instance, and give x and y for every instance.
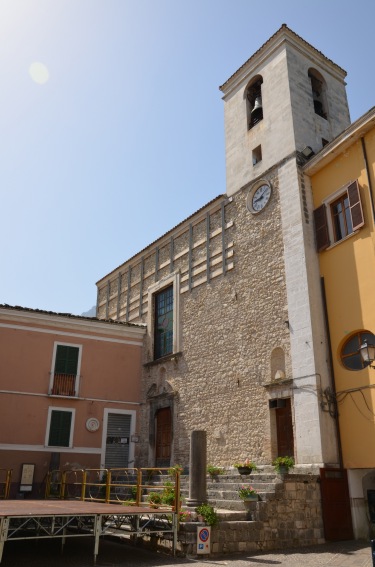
(172, 471)
(184, 516)
(168, 494)
(214, 471)
(155, 499)
(208, 514)
(283, 464)
(245, 467)
(247, 492)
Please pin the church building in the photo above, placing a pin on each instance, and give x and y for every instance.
(236, 340)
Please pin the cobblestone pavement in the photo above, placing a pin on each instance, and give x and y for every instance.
(79, 553)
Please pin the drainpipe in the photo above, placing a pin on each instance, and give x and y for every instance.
(368, 176)
(333, 384)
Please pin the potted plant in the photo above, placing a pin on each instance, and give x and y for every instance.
(283, 464)
(214, 471)
(154, 499)
(176, 469)
(208, 514)
(184, 516)
(247, 492)
(245, 467)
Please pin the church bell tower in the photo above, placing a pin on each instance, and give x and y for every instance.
(281, 107)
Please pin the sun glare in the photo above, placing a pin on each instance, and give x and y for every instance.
(39, 73)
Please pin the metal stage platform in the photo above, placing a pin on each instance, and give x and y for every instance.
(42, 519)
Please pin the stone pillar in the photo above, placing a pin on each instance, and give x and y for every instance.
(198, 466)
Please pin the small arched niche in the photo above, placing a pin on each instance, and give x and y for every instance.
(278, 364)
(319, 92)
(254, 105)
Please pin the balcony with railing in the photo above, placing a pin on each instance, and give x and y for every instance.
(64, 385)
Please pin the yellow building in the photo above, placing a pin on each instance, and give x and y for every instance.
(343, 184)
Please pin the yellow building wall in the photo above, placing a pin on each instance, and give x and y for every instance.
(348, 268)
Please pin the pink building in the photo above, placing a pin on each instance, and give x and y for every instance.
(69, 392)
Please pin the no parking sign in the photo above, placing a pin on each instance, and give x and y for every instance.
(204, 539)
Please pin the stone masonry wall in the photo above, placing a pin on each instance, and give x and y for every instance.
(292, 518)
(228, 330)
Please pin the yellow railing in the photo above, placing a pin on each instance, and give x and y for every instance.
(161, 486)
(5, 478)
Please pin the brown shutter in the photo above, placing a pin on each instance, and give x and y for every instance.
(321, 228)
(355, 204)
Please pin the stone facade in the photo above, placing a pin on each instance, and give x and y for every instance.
(248, 320)
(229, 327)
(292, 517)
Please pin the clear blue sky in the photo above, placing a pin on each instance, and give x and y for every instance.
(125, 139)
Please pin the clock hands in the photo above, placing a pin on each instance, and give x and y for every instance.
(259, 198)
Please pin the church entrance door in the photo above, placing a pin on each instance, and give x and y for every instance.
(284, 427)
(163, 437)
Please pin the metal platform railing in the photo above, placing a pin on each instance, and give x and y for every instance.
(5, 479)
(157, 488)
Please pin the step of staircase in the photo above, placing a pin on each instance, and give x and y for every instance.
(222, 492)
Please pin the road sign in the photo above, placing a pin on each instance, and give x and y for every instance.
(204, 539)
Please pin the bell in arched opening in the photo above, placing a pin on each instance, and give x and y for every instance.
(257, 111)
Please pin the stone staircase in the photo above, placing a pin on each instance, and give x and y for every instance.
(287, 513)
(222, 491)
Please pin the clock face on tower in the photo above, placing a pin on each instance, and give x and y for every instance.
(258, 196)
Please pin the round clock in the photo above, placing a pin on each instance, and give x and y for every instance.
(258, 197)
(92, 424)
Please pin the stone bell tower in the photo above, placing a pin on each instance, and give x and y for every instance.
(286, 97)
(282, 106)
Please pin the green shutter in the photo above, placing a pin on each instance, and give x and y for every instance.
(59, 429)
(66, 359)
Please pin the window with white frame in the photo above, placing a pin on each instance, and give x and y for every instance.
(163, 316)
(339, 216)
(60, 427)
(66, 364)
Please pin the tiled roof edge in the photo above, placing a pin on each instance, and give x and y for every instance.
(67, 315)
(283, 27)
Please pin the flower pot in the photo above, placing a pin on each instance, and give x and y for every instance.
(251, 498)
(244, 470)
(283, 469)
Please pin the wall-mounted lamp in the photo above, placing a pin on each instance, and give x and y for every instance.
(367, 353)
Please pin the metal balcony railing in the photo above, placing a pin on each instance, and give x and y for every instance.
(64, 385)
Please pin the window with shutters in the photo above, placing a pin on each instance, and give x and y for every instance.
(339, 216)
(66, 362)
(60, 426)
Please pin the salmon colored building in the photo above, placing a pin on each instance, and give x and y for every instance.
(343, 184)
(69, 393)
